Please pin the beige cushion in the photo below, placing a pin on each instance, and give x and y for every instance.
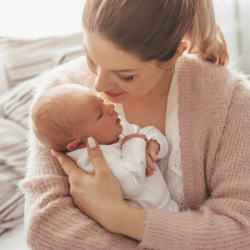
(25, 59)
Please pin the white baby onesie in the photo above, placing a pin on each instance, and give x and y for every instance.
(128, 163)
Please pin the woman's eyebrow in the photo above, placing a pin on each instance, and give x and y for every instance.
(114, 71)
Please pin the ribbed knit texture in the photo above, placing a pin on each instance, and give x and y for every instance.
(214, 122)
(170, 165)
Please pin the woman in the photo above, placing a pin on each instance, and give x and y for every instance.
(135, 51)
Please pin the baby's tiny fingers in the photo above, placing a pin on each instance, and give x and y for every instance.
(144, 137)
(153, 155)
(148, 171)
(150, 163)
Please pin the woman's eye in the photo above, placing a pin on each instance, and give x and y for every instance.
(91, 65)
(127, 79)
(100, 116)
(89, 60)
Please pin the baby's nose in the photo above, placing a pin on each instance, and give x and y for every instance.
(111, 108)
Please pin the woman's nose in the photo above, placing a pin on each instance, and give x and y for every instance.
(102, 83)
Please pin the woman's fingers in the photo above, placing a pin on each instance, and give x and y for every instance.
(67, 165)
(96, 155)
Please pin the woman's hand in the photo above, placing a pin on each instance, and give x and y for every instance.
(100, 195)
(95, 195)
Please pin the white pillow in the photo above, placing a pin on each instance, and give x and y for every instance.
(25, 59)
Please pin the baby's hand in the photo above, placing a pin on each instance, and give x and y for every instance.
(153, 148)
(128, 137)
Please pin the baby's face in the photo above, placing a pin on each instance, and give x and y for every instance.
(99, 118)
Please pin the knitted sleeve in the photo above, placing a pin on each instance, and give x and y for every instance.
(223, 220)
(51, 219)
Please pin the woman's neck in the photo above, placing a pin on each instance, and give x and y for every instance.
(150, 109)
(154, 97)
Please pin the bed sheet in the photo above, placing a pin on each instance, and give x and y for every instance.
(14, 239)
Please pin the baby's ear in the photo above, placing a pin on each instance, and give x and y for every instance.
(76, 144)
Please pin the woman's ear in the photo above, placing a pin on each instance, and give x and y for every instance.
(169, 65)
(180, 50)
(76, 144)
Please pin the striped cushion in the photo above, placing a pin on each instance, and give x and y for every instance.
(25, 59)
(14, 113)
(14, 119)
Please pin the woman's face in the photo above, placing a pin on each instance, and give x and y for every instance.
(119, 74)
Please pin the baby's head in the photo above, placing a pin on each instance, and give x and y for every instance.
(65, 116)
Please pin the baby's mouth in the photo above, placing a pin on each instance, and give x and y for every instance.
(118, 120)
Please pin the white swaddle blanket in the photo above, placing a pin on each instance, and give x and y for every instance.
(128, 163)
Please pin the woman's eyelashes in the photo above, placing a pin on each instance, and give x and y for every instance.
(126, 79)
(89, 60)
(91, 65)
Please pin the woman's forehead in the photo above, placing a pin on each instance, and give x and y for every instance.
(108, 56)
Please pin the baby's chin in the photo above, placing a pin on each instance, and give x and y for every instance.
(110, 141)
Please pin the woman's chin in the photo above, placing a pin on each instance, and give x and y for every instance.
(118, 99)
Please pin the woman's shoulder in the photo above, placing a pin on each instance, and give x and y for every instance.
(77, 65)
(75, 71)
(205, 76)
(207, 91)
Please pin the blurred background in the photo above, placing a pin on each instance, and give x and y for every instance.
(36, 36)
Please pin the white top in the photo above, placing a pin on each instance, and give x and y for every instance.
(128, 164)
(170, 165)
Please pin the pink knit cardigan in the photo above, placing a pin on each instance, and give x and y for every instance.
(214, 120)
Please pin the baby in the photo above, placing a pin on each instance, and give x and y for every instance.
(65, 116)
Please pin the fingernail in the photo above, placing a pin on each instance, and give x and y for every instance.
(91, 142)
(52, 152)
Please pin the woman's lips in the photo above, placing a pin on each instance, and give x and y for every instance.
(112, 94)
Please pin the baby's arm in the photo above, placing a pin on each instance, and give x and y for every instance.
(132, 164)
(129, 137)
(154, 134)
(157, 147)
(128, 166)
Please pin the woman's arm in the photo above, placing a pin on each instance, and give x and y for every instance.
(100, 195)
(223, 220)
(51, 219)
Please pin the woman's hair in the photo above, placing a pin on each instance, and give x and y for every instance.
(153, 29)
